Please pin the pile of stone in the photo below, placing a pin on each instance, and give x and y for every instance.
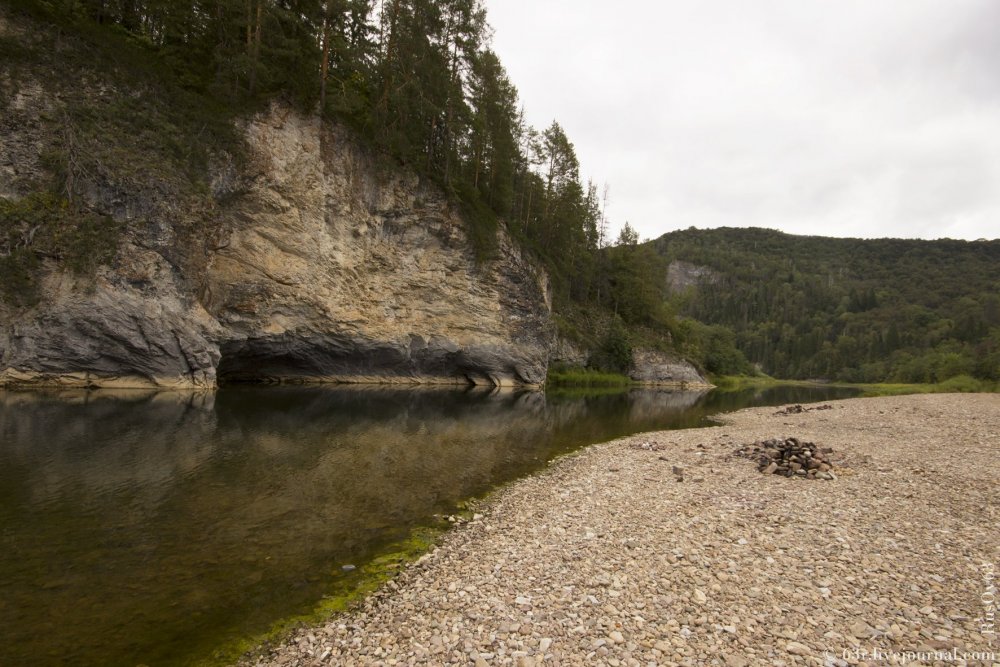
(798, 409)
(647, 446)
(790, 457)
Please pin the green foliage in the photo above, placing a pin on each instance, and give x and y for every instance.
(18, 278)
(119, 113)
(721, 357)
(43, 225)
(634, 285)
(960, 384)
(847, 309)
(965, 384)
(628, 236)
(614, 355)
(569, 330)
(712, 347)
(481, 223)
(152, 140)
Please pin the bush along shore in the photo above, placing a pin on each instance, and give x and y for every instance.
(671, 549)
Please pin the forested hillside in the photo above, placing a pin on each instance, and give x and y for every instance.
(848, 309)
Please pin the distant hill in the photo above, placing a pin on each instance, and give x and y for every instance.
(844, 309)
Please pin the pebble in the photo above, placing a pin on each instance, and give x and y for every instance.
(733, 660)
(796, 648)
(861, 630)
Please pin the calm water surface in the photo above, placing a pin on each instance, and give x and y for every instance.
(150, 528)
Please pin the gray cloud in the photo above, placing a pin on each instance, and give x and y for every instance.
(846, 118)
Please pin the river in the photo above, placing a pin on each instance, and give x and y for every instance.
(153, 527)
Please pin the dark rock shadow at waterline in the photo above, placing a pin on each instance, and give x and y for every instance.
(304, 359)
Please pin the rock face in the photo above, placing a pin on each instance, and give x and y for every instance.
(648, 366)
(347, 276)
(567, 352)
(319, 265)
(654, 367)
(683, 275)
(111, 336)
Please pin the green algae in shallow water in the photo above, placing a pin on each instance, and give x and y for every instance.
(345, 592)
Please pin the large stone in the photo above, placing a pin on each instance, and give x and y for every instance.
(797, 648)
(655, 367)
(734, 660)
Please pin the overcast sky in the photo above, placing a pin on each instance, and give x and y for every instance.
(865, 118)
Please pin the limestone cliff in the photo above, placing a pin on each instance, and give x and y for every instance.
(311, 262)
(683, 275)
(657, 368)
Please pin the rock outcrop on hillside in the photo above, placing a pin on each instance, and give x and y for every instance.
(313, 263)
(654, 367)
(683, 275)
(649, 366)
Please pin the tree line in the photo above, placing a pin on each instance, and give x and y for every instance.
(416, 78)
(848, 309)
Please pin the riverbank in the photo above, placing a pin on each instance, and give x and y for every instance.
(960, 384)
(606, 557)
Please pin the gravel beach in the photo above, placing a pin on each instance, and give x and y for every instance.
(669, 549)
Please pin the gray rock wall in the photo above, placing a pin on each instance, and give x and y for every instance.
(682, 276)
(654, 367)
(312, 263)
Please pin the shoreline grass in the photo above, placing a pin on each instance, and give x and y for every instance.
(957, 384)
(585, 377)
(961, 384)
(737, 382)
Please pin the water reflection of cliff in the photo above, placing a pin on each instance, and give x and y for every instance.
(140, 525)
(82, 445)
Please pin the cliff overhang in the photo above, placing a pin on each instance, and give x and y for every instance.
(309, 262)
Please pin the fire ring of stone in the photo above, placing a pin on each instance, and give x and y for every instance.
(790, 457)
